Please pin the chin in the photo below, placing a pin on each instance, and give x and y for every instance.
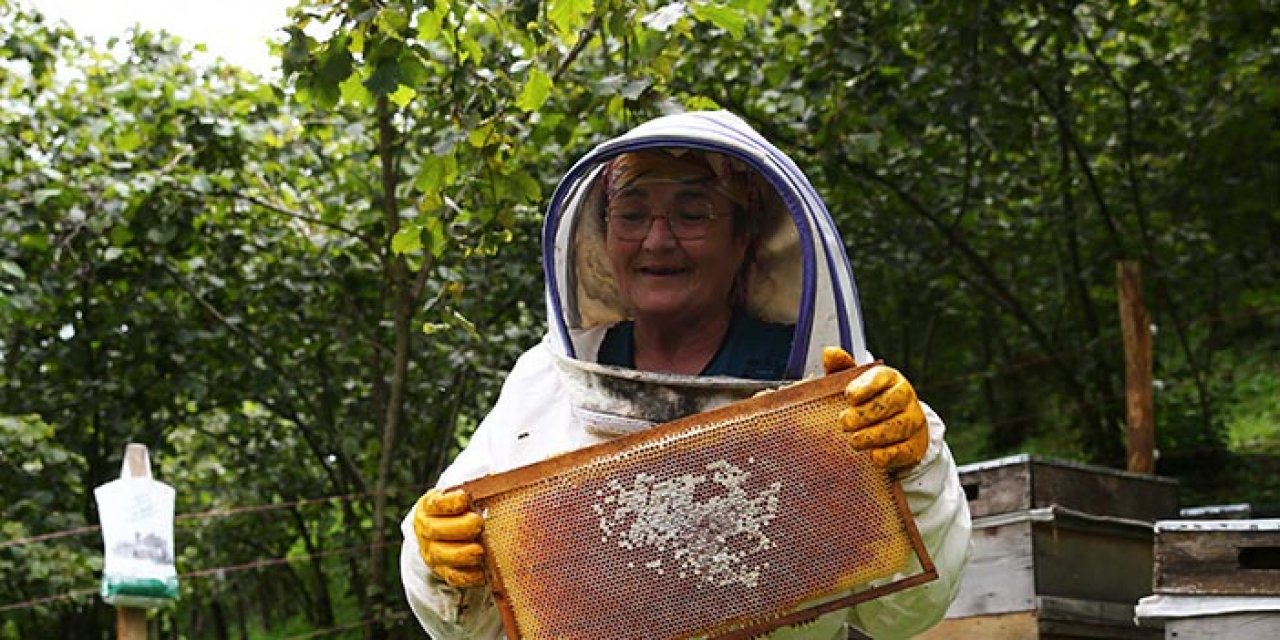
(657, 307)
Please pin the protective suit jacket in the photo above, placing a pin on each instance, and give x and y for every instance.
(557, 399)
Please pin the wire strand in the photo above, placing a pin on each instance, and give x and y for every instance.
(35, 602)
(201, 515)
(319, 633)
(203, 573)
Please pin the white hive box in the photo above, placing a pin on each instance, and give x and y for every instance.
(1061, 550)
(1215, 579)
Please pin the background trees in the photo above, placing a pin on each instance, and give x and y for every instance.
(302, 297)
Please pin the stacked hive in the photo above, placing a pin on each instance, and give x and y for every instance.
(1060, 550)
(1216, 578)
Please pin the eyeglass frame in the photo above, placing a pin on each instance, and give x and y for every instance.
(676, 229)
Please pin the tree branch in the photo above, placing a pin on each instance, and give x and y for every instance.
(253, 345)
(276, 208)
(1066, 129)
(583, 37)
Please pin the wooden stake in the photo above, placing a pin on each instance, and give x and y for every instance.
(1135, 325)
(131, 622)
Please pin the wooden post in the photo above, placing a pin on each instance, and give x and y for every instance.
(131, 622)
(1135, 325)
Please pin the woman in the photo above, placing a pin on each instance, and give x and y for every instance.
(677, 234)
(689, 263)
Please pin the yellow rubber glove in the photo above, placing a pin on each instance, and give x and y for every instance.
(448, 533)
(884, 417)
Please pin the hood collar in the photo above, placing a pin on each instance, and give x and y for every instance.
(800, 273)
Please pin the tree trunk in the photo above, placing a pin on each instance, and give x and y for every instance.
(402, 299)
(322, 606)
(220, 621)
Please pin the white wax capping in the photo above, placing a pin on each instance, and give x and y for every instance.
(712, 539)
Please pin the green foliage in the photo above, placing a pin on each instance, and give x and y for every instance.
(1253, 414)
(32, 459)
(990, 164)
(315, 289)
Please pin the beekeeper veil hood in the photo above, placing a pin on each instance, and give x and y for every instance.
(797, 273)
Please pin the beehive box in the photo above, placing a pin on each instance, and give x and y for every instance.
(1022, 482)
(1215, 579)
(1245, 625)
(1060, 550)
(1183, 617)
(725, 524)
(1218, 557)
(1238, 511)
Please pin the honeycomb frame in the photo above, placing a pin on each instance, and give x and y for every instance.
(722, 524)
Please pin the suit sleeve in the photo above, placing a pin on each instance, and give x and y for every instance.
(941, 512)
(446, 612)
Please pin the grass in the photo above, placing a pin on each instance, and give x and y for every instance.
(1253, 408)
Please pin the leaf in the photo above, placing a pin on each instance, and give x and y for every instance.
(506, 217)
(407, 240)
(412, 70)
(479, 137)
(297, 52)
(429, 23)
(754, 8)
(435, 235)
(162, 234)
(610, 84)
(354, 91)
(634, 89)
(865, 143)
(466, 324)
(323, 95)
(120, 235)
(569, 16)
(663, 18)
(402, 96)
(529, 187)
(12, 269)
(129, 140)
(536, 91)
(334, 65)
(43, 195)
(616, 108)
(391, 21)
(430, 201)
(474, 52)
(356, 44)
(731, 20)
(701, 103)
(385, 79)
(436, 173)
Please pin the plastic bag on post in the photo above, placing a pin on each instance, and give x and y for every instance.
(137, 535)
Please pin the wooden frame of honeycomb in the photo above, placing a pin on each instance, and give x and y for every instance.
(724, 524)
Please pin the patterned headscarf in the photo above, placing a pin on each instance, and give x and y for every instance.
(730, 176)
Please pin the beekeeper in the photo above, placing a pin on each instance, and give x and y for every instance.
(688, 263)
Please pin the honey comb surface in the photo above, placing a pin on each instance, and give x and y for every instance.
(698, 530)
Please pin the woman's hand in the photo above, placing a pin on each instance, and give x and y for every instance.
(448, 533)
(884, 417)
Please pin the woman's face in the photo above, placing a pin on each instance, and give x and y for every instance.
(660, 274)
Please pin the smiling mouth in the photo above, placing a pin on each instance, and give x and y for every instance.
(661, 271)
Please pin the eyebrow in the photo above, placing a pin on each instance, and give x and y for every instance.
(691, 191)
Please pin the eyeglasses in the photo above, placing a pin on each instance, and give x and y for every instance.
(687, 222)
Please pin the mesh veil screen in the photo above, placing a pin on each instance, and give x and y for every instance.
(732, 522)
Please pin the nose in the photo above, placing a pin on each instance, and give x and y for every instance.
(659, 235)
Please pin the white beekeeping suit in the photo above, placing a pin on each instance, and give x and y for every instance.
(557, 399)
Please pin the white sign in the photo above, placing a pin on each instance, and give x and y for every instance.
(137, 535)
